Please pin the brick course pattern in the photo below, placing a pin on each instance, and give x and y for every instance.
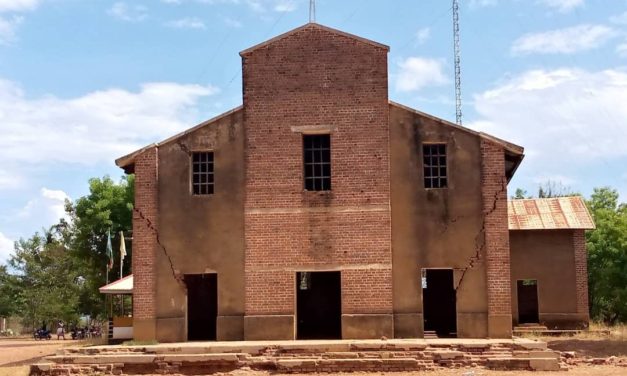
(496, 231)
(581, 271)
(145, 227)
(367, 291)
(340, 84)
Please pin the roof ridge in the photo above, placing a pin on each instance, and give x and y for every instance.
(313, 25)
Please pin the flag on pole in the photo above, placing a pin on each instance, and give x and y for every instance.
(122, 253)
(122, 247)
(109, 251)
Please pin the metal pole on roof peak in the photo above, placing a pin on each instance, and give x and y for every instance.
(312, 11)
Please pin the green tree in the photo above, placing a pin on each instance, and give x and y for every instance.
(555, 189)
(46, 277)
(10, 298)
(607, 257)
(520, 194)
(107, 207)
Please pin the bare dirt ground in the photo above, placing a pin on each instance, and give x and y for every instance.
(17, 354)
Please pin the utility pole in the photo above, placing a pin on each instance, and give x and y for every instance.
(457, 59)
(312, 11)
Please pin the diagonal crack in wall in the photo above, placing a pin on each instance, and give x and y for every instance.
(155, 232)
(480, 241)
(184, 148)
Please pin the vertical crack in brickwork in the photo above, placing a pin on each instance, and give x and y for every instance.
(155, 232)
(480, 240)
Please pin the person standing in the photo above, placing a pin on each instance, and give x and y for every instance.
(60, 331)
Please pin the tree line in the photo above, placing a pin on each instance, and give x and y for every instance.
(55, 274)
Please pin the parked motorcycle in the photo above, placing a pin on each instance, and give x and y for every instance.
(42, 334)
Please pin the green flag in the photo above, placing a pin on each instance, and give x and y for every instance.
(109, 251)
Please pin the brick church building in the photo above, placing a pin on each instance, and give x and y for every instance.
(321, 209)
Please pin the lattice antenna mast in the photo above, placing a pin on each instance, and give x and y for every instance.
(312, 10)
(458, 67)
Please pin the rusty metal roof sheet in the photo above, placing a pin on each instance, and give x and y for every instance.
(549, 214)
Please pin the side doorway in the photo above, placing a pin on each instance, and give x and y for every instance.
(202, 306)
(439, 303)
(527, 291)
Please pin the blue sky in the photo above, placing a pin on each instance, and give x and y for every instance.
(84, 82)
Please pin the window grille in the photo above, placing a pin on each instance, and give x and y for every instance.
(435, 170)
(317, 162)
(202, 173)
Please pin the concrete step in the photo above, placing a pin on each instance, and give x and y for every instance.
(347, 365)
(530, 364)
(145, 358)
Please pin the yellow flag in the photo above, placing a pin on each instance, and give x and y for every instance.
(122, 247)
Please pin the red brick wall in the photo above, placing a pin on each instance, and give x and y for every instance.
(581, 271)
(366, 291)
(315, 77)
(145, 222)
(496, 231)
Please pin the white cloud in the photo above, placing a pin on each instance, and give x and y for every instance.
(259, 6)
(93, 128)
(8, 27)
(10, 180)
(18, 5)
(48, 207)
(174, 2)
(482, 3)
(417, 72)
(620, 19)
(563, 5)
(423, 35)
(187, 23)
(554, 178)
(563, 41)
(559, 116)
(6, 248)
(129, 13)
(621, 49)
(285, 5)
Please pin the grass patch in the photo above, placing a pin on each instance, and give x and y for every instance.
(139, 343)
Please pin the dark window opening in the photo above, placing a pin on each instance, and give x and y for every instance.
(434, 156)
(202, 173)
(317, 162)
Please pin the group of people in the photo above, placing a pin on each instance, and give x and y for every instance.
(76, 332)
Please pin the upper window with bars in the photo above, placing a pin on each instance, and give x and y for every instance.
(435, 171)
(202, 173)
(317, 162)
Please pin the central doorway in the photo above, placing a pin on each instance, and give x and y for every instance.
(318, 305)
(439, 302)
(527, 290)
(202, 306)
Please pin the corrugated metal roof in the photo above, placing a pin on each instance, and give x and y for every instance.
(549, 214)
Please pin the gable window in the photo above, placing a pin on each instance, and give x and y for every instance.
(435, 174)
(202, 173)
(317, 162)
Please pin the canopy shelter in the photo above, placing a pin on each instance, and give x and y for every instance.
(122, 286)
(119, 293)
